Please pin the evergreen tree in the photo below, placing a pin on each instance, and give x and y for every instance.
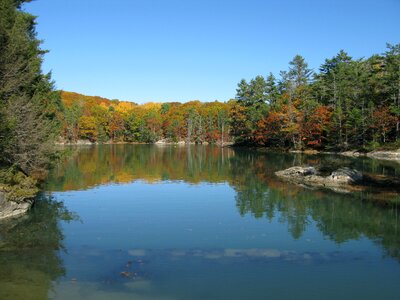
(253, 99)
(28, 103)
(299, 73)
(349, 104)
(392, 81)
(271, 89)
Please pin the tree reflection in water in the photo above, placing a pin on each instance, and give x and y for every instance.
(30, 251)
(340, 217)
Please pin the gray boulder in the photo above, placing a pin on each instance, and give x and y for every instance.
(340, 180)
(386, 155)
(297, 172)
(345, 176)
(10, 208)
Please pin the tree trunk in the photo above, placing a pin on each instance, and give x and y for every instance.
(222, 133)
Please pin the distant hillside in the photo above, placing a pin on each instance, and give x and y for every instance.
(69, 98)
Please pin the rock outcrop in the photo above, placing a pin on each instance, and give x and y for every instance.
(169, 142)
(9, 208)
(340, 180)
(17, 193)
(385, 155)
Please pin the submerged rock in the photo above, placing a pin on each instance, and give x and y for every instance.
(125, 274)
(338, 180)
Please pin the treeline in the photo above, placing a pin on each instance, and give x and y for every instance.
(30, 108)
(348, 104)
(101, 120)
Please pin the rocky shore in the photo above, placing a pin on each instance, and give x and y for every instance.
(386, 155)
(17, 193)
(342, 180)
(159, 143)
(9, 208)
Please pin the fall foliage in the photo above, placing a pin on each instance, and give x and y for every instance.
(102, 120)
(348, 104)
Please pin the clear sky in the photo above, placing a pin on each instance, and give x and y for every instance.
(180, 50)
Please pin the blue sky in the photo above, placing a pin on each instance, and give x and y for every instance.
(181, 50)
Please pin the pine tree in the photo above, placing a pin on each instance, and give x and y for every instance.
(28, 103)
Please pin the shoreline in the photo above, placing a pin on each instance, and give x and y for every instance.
(158, 143)
(393, 155)
(390, 155)
(385, 155)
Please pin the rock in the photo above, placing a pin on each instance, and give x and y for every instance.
(310, 151)
(305, 151)
(169, 142)
(125, 274)
(352, 153)
(340, 180)
(297, 172)
(345, 176)
(10, 209)
(225, 144)
(162, 142)
(387, 155)
(84, 142)
(63, 142)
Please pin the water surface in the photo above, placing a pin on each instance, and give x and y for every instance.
(150, 222)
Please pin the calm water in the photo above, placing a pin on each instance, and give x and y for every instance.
(148, 222)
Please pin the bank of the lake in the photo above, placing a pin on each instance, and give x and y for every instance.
(378, 154)
(17, 193)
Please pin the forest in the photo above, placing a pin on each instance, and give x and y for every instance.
(101, 120)
(347, 104)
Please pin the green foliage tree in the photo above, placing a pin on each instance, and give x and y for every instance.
(253, 99)
(29, 106)
(392, 81)
(336, 108)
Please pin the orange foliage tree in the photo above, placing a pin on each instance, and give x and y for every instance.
(315, 126)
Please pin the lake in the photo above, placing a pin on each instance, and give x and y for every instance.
(200, 222)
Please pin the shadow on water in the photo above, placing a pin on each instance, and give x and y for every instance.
(30, 251)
